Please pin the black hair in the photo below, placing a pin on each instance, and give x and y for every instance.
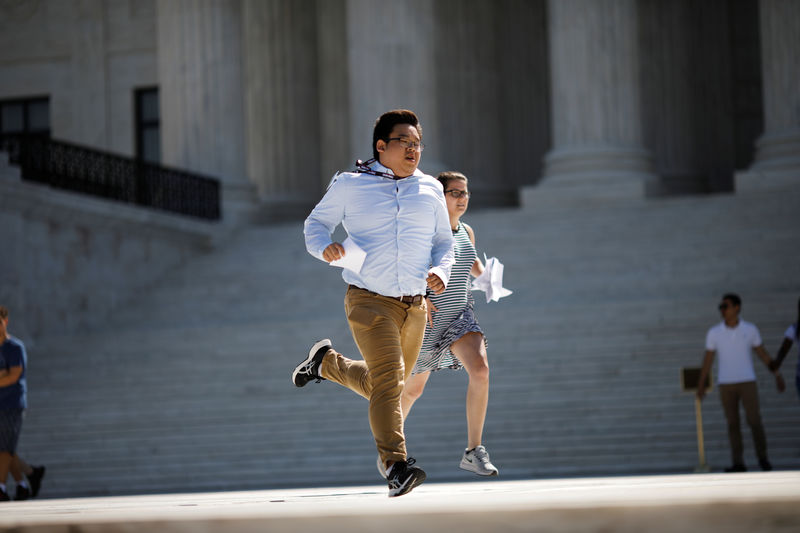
(733, 298)
(386, 123)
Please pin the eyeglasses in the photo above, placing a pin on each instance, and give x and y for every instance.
(405, 143)
(723, 307)
(455, 193)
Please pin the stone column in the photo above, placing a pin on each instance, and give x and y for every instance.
(778, 149)
(686, 93)
(281, 88)
(391, 64)
(334, 91)
(201, 94)
(597, 148)
(469, 93)
(89, 76)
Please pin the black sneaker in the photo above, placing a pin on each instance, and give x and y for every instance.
(765, 465)
(736, 468)
(308, 370)
(4, 496)
(35, 479)
(382, 470)
(403, 478)
(23, 493)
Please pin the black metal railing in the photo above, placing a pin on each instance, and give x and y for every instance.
(71, 167)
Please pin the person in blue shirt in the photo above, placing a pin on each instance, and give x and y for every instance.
(27, 477)
(398, 216)
(13, 398)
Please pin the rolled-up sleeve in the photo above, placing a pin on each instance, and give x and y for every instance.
(442, 255)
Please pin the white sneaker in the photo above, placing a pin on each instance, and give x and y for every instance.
(477, 460)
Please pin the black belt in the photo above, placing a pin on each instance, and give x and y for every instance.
(416, 299)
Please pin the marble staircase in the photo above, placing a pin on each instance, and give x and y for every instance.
(188, 389)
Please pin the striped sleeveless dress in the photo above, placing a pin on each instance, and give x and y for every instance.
(454, 316)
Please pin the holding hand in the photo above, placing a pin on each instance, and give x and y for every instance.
(701, 392)
(779, 382)
(430, 309)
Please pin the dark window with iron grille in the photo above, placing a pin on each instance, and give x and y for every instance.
(148, 125)
(25, 115)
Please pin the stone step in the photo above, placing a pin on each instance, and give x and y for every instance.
(188, 387)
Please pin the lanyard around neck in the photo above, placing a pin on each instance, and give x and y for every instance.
(364, 167)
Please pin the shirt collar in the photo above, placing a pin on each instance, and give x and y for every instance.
(376, 165)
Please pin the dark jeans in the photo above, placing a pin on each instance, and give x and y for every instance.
(746, 393)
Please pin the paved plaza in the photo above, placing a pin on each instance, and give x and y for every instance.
(749, 502)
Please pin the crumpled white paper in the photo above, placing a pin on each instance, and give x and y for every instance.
(353, 257)
(491, 280)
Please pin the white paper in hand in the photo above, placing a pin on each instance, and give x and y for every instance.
(353, 257)
(491, 281)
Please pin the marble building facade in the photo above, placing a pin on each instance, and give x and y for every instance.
(619, 98)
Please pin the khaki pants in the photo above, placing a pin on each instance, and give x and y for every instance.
(388, 334)
(731, 394)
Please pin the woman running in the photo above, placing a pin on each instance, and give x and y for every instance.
(453, 338)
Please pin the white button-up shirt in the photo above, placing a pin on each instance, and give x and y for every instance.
(402, 225)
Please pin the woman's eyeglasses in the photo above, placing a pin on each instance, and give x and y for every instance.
(455, 193)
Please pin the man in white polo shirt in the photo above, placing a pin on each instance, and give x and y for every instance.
(735, 340)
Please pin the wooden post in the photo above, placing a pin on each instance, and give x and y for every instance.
(690, 378)
(702, 466)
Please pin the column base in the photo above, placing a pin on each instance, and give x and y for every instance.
(239, 203)
(767, 180)
(778, 152)
(593, 176)
(776, 166)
